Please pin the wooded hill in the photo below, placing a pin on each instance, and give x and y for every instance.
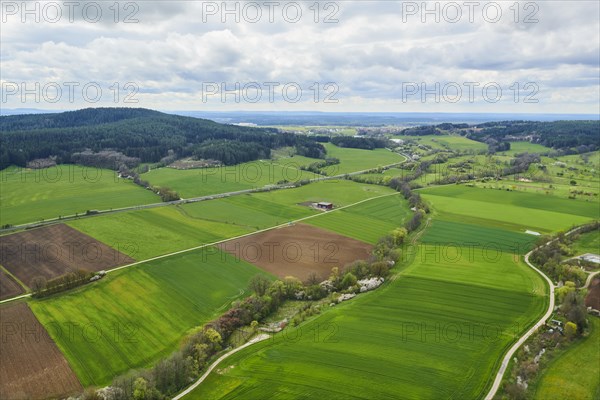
(145, 135)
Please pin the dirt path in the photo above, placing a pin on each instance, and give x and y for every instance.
(257, 339)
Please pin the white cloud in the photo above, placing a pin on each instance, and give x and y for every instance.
(371, 53)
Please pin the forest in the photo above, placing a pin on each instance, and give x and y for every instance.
(139, 134)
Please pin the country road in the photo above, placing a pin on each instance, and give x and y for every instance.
(204, 245)
(527, 335)
(184, 201)
(257, 339)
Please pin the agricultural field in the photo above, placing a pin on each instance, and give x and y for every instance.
(31, 195)
(588, 242)
(206, 181)
(149, 233)
(352, 160)
(516, 211)
(298, 250)
(439, 328)
(368, 221)
(526, 147)
(445, 142)
(574, 373)
(32, 366)
(8, 286)
(136, 316)
(53, 251)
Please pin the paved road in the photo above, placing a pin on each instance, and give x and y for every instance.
(527, 335)
(182, 201)
(224, 240)
(257, 339)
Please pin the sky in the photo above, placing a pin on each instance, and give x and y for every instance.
(337, 56)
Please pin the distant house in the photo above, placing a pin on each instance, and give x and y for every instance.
(324, 205)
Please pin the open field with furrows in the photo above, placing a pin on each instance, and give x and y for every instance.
(439, 329)
(574, 374)
(134, 317)
(515, 211)
(53, 251)
(298, 250)
(149, 233)
(32, 366)
(206, 181)
(367, 221)
(30, 195)
(8, 286)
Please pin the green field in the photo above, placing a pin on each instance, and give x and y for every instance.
(149, 233)
(28, 195)
(587, 243)
(512, 211)
(135, 317)
(575, 374)
(368, 221)
(447, 142)
(206, 181)
(435, 332)
(457, 233)
(352, 160)
(522, 147)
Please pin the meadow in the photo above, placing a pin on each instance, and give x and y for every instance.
(574, 373)
(206, 181)
(439, 329)
(149, 233)
(513, 211)
(352, 160)
(134, 317)
(450, 142)
(367, 221)
(31, 195)
(526, 147)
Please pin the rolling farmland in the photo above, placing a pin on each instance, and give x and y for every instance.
(32, 195)
(138, 315)
(439, 329)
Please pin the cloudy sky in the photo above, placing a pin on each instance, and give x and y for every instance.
(530, 57)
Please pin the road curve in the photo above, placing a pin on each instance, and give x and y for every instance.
(257, 339)
(527, 335)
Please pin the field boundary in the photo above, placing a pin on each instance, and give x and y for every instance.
(227, 239)
(506, 360)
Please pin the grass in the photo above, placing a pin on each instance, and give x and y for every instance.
(135, 317)
(461, 234)
(28, 195)
(588, 242)
(523, 147)
(512, 210)
(438, 330)
(352, 160)
(367, 221)
(575, 374)
(148, 233)
(448, 142)
(206, 181)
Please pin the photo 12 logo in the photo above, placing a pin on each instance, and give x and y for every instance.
(52, 12)
(269, 11)
(453, 12)
(271, 92)
(68, 92)
(454, 92)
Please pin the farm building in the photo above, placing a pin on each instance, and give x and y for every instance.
(325, 205)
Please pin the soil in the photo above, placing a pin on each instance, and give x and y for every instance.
(298, 250)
